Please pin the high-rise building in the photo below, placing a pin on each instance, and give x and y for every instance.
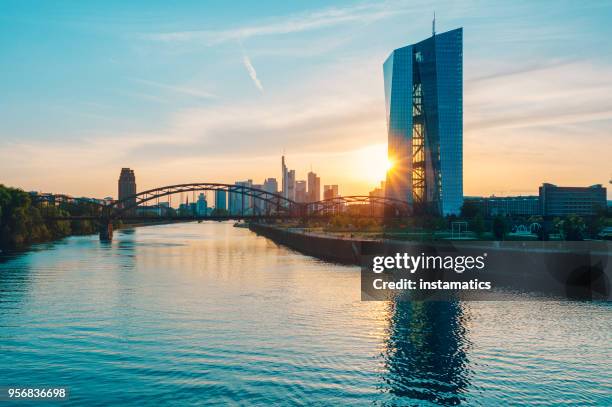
(284, 174)
(330, 191)
(270, 185)
(287, 181)
(127, 187)
(257, 204)
(202, 205)
(300, 191)
(424, 107)
(291, 185)
(220, 200)
(314, 187)
(240, 203)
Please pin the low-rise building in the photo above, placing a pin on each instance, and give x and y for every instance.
(563, 201)
(527, 205)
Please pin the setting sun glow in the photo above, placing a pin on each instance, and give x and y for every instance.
(372, 163)
(388, 165)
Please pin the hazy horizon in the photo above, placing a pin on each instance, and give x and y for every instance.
(194, 92)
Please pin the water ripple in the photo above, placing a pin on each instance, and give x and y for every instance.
(196, 314)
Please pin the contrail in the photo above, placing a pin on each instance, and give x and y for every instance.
(252, 72)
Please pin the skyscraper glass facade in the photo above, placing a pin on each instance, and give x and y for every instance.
(424, 106)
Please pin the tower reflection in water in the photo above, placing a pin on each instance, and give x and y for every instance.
(425, 357)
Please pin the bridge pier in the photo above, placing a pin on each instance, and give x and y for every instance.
(106, 231)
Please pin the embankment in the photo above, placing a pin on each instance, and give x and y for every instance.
(562, 268)
(329, 248)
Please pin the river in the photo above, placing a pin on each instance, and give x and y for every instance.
(192, 314)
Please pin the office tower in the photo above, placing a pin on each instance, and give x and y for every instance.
(220, 200)
(424, 108)
(270, 185)
(291, 185)
(314, 187)
(284, 175)
(258, 204)
(202, 205)
(300, 191)
(330, 191)
(240, 203)
(127, 187)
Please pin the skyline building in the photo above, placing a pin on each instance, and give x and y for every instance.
(202, 205)
(127, 185)
(300, 191)
(287, 181)
(424, 108)
(270, 185)
(378, 192)
(284, 173)
(239, 203)
(314, 187)
(220, 199)
(330, 191)
(291, 185)
(257, 204)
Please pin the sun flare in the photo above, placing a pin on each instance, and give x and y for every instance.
(388, 165)
(372, 163)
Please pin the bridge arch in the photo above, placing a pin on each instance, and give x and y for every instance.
(274, 201)
(396, 206)
(275, 205)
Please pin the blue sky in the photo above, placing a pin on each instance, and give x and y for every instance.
(212, 91)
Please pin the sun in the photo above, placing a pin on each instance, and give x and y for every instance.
(371, 163)
(388, 165)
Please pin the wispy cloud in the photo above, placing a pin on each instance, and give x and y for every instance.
(363, 13)
(178, 89)
(252, 72)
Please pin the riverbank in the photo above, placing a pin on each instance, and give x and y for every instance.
(575, 269)
(330, 248)
(84, 231)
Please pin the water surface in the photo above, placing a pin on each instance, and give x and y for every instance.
(192, 314)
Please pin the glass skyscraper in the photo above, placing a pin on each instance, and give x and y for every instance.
(424, 106)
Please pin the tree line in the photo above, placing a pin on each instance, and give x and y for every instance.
(22, 223)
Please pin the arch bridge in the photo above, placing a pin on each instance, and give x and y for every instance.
(243, 203)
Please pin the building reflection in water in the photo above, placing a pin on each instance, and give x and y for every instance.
(425, 357)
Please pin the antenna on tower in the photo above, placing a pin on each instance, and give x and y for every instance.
(433, 25)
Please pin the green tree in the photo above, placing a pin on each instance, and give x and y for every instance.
(22, 223)
(469, 210)
(477, 225)
(572, 228)
(500, 227)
